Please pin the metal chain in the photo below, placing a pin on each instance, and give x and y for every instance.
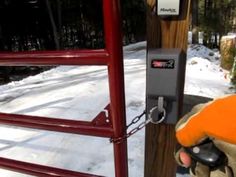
(134, 130)
(161, 111)
(136, 119)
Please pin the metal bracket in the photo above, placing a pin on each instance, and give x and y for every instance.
(103, 118)
(161, 111)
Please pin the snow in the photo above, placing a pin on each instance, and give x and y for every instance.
(70, 91)
(204, 76)
(229, 36)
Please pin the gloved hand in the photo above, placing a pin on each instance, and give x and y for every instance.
(215, 120)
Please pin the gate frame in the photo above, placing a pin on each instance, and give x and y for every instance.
(112, 126)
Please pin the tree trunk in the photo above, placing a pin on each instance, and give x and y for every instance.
(54, 27)
(195, 22)
(59, 21)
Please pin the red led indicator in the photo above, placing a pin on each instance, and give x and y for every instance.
(163, 64)
(157, 64)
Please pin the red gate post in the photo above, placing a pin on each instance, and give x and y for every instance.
(113, 41)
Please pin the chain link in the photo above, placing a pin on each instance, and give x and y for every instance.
(161, 117)
(134, 130)
(136, 119)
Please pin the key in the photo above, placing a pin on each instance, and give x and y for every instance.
(207, 153)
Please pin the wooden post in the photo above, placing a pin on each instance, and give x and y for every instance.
(160, 139)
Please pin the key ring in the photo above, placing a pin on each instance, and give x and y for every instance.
(163, 111)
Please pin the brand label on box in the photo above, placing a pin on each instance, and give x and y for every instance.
(163, 64)
(168, 7)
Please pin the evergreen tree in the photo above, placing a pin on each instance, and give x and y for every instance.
(216, 18)
(195, 24)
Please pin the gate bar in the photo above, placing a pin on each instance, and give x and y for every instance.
(59, 125)
(68, 57)
(39, 170)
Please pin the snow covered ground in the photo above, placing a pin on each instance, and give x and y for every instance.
(70, 91)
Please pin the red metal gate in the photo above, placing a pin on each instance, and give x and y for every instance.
(112, 126)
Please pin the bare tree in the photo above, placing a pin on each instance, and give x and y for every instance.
(195, 21)
(54, 27)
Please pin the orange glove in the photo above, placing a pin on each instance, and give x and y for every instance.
(216, 119)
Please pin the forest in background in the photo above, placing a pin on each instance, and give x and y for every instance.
(29, 25)
(214, 18)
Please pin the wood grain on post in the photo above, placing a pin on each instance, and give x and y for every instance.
(160, 139)
(227, 44)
